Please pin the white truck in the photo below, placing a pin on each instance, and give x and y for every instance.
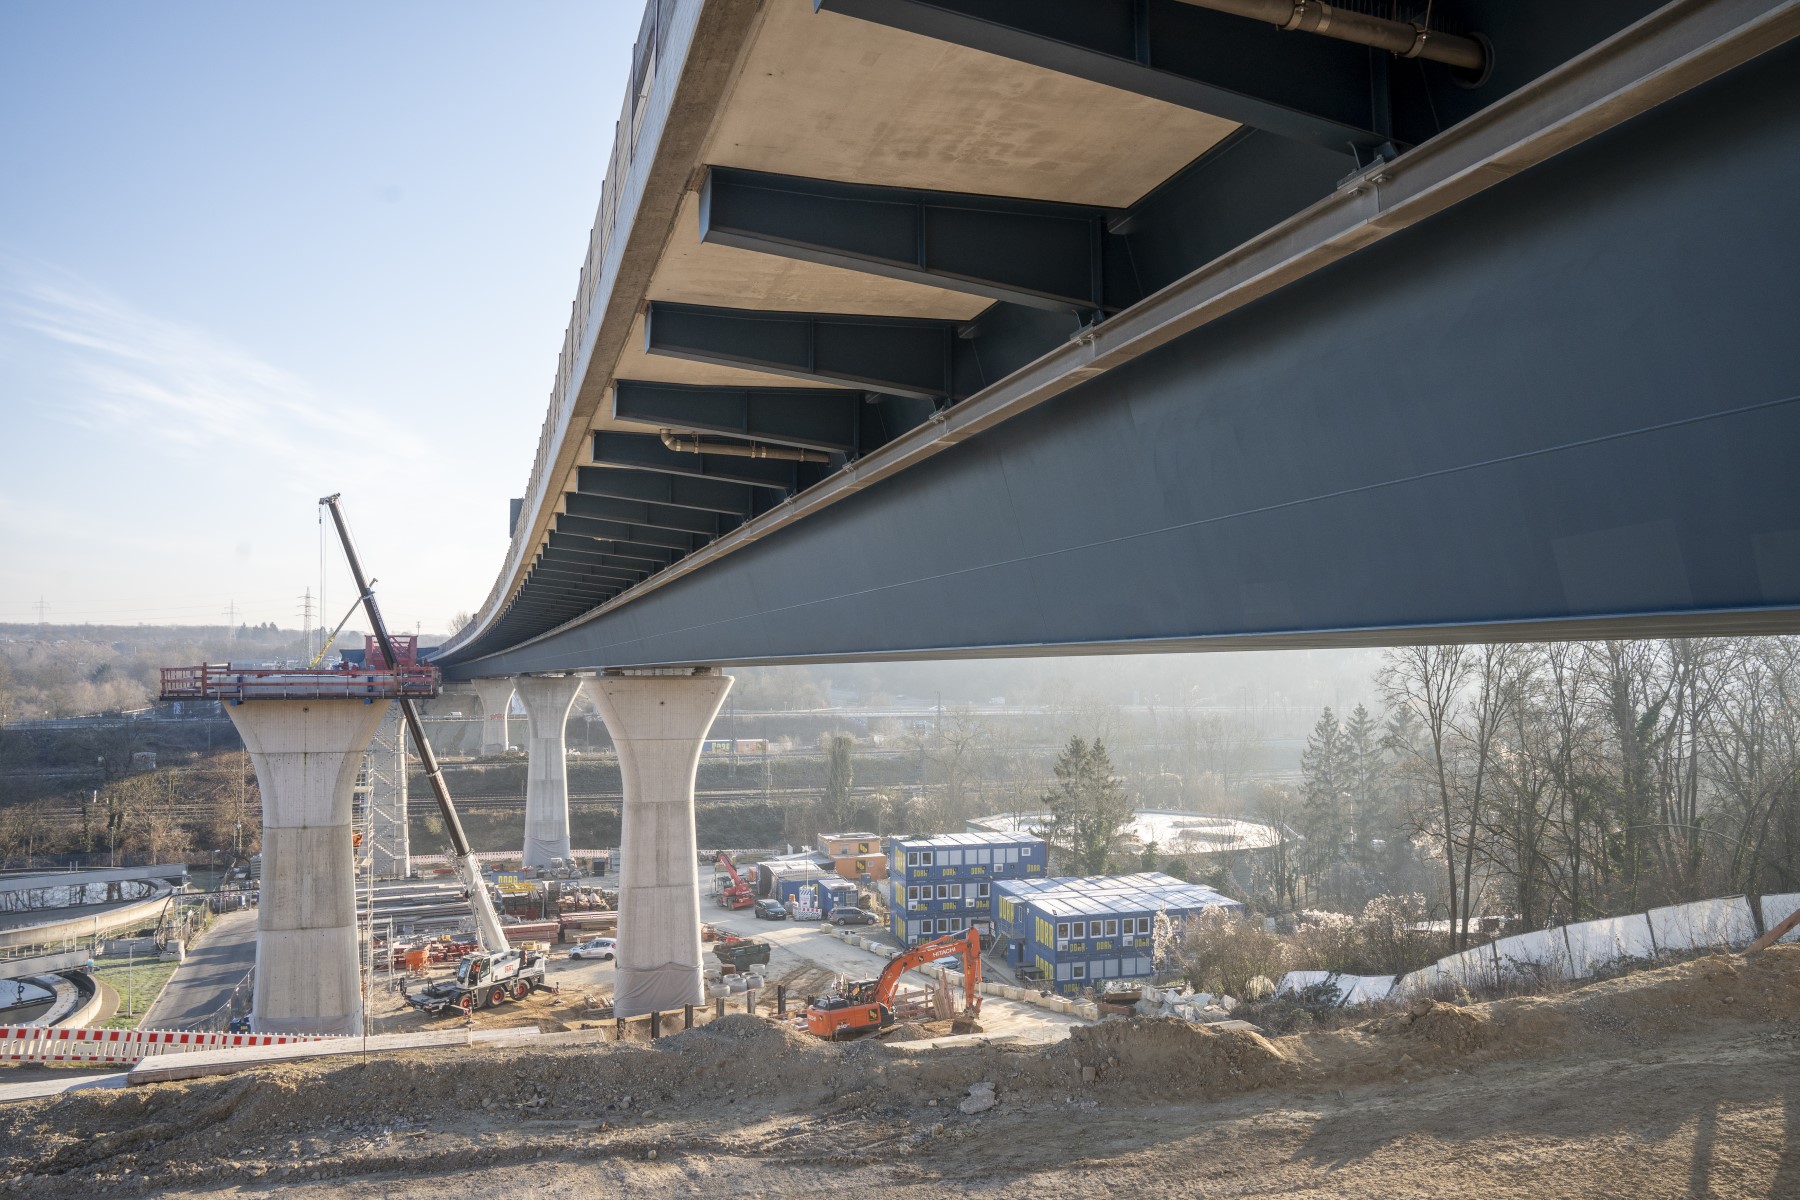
(482, 980)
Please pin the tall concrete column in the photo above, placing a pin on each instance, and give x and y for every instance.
(307, 755)
(547, 700)
(496, 699)
(658, 723)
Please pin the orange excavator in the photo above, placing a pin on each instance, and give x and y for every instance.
(737, 893)
(868, 1005)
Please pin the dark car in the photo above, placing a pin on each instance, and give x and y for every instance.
(770, 910)
(849, 914)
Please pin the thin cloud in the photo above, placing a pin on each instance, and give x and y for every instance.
(127, 370)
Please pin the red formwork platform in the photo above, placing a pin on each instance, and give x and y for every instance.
(234, 685)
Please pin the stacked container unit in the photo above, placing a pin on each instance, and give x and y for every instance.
(940, 885)
(1076, 933)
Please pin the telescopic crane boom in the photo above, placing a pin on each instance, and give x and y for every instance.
(487, 922)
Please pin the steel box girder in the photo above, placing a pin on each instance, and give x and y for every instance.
(1298, 85)
(1028, 252)
(660, 487)
(812, 418)
(1536, 413)
(901, 355)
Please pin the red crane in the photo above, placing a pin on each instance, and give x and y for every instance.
(738, 894)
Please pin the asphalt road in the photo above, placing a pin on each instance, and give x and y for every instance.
(215, 965)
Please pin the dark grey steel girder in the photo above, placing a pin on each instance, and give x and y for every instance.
(582, 544)
(1304, 87)
(659, 487)
(645, 451)
(904, 356)
(657, 516)
(552, 571)
(1563, 406)
(617, 532)
(815, 418)
(1024, 251)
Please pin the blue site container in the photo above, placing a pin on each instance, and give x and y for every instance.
(813, 899)
(940, 885)
(1079, 932)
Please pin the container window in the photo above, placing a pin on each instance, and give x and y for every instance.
(1143, 924)
(956, 891)
(956, 924)
(926, 857)
(981, 891)
(912, 858)
(1077, 970)
(1024, 851)
(1112, 929)
(1079, 931)
(943, 925)
(981, 857)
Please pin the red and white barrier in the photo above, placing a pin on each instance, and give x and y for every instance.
(50, 1044)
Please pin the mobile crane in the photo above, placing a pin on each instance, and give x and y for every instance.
(868, 1004)
(496, 971)
(737, 894)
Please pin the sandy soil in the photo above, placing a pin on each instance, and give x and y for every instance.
(1683, 1081)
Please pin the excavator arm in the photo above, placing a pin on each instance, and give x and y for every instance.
(966, 946)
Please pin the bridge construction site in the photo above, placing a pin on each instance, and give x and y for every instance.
(958, 329)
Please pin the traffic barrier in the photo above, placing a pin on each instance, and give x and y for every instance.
(57, 1044)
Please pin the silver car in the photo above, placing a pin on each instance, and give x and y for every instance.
(603, 948)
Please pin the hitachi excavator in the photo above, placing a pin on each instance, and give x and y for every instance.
(868, 1005)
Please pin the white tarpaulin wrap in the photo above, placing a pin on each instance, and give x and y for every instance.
(1776, 909)
(1364, 989)
(1703, 925)
(1352, 989)
(1474, 967)
(1595, 944)
(1544, 951)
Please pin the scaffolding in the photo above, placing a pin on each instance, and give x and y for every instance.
(384, 766)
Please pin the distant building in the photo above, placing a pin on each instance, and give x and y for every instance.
(940, 885)
(1173, 833)
(1079, 932)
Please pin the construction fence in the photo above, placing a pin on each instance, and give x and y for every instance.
(1578, 951)
(52, 1044)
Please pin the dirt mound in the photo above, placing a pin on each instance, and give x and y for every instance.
(342, 1118)
(1163, 1056)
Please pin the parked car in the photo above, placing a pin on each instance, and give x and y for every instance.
(771, 910)
(847, 914)
(603, 948)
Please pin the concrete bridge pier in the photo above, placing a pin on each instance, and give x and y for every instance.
(547, 700)
(307, 755)
(496, 698)
(658, 723)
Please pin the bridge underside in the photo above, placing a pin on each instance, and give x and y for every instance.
(1562, 407)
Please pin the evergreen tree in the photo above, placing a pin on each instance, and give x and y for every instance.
(1088, 808)
(1325, 779)
(840, 773)
(1365, 767)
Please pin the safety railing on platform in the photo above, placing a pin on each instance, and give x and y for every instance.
(222, 681)
(49, 1044)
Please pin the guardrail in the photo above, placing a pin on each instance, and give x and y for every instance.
(41, 1044)
(222, 681)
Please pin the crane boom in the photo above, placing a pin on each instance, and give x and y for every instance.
(487, 922)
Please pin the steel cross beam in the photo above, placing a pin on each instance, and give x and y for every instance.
(1029, 252)
(902, 355)
(656, 516)
(661, 488)
(613, 531)
(585, 558)
(581, 543)
(814, 418)
(1300, 86)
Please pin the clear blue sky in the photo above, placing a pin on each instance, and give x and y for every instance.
(251, 254)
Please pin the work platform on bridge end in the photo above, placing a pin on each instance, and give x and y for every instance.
(306, 731)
